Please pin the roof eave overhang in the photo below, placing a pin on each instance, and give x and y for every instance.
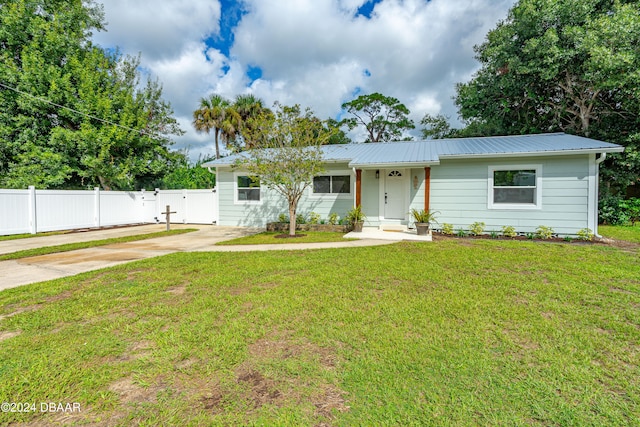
(392, 165)
(534, 153)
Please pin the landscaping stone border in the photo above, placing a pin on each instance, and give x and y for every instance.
(284, 226)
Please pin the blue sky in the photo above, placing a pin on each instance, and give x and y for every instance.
(317, 53)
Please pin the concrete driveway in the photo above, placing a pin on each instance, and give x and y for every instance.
(53, 266)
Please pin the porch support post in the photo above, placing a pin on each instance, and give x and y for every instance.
(427, 187)
(358, 187)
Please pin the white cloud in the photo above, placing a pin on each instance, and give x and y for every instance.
(314, 53)
(158, 29)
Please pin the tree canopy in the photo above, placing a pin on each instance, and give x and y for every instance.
(71, 114)
(384, 118)
(570, 66)
(286, 152)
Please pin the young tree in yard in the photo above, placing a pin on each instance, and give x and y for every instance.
(384, 118)
(569, 66)
(286, 152)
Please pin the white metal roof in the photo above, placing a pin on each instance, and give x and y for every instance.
(430, 152)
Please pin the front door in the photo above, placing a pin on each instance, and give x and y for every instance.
(394, 194)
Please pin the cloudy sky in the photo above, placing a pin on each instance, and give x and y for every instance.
(317, 53)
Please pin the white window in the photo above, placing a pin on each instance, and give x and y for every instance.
(515, 187)
(247, 189)
(331, 184)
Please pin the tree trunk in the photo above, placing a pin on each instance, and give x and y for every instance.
(292, 219)
(105, 186)
(215, 133)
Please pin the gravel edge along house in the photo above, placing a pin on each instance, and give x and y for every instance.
(520, 181)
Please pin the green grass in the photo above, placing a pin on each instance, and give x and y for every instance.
(89, 244)
(270, 238)
(28, 236)
(458, 332)
(627, 233)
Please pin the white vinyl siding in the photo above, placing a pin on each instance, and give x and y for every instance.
(272, 204)
(460, 192)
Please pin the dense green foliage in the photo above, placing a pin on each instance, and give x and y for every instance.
(448, 333)
(384, 118)
(615, 210)
(188, 176)
(567, 66)
(71, 114)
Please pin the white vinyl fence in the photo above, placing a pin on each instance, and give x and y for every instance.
(33, 211)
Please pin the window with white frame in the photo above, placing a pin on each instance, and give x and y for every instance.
(331, 184)
(247, 189)
(515, 187)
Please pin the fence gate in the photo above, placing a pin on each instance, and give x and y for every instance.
(191, 206)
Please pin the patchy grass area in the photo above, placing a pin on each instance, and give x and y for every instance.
(90, 244)
(460, 332)
(619, 232)
(28, 236)
(271, 238)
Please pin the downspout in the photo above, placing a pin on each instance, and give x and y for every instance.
(599, 160)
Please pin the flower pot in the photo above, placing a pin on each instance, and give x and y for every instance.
(422, 228)
(357, 226)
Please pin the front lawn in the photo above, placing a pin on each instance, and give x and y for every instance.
(621, 232)
(456, 332)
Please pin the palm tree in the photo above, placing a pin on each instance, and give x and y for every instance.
(211, 116)
(230, 127)
(249, 107)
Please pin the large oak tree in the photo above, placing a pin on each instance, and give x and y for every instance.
(73, 115)
(384, 118)
(569, 66)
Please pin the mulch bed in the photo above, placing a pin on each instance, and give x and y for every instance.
(288, 236)
(609, 242)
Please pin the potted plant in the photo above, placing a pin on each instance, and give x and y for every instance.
(356, 218)
(423, 220)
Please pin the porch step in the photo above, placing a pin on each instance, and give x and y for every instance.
(392, 227)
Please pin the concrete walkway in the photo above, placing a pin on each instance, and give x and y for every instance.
(54, 266)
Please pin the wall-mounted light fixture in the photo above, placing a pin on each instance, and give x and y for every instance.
(378, 174)
(415, 182)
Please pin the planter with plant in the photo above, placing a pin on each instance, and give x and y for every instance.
(356, 218)
(423, 220)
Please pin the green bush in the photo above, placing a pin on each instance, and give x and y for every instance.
(283, 218)
(333, 218)
(544, 232)
(301, 219)
(611, 212)
(632, 208)
(447, 229)
(585, 234)
(477, 228)
(509, 231)
(314, 218)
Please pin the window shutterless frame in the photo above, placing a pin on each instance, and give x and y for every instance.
(336, 184)
(247, 189)
(515, 187)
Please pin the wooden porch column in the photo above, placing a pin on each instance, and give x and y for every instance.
(358, 187)
(427, 187)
